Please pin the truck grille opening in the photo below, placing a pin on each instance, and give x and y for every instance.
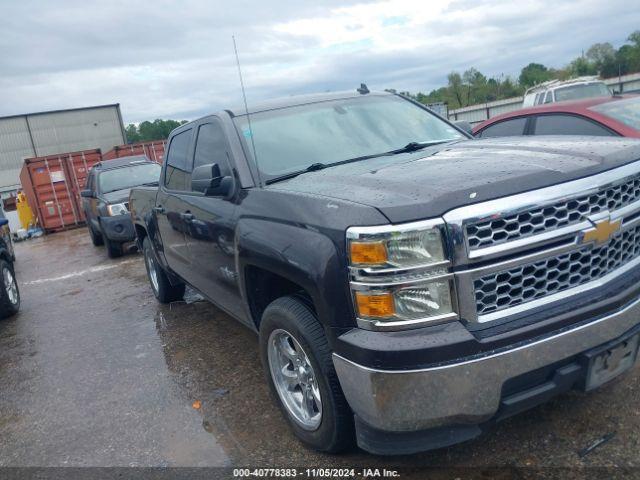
(539, 220)
(527, 282)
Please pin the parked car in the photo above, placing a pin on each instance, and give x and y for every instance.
(9, 292)
(565, 90)
(604, 116)
(105, 200)
(409, 286)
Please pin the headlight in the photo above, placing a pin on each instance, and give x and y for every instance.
(117, 209)
(400, 248)
(399, 276)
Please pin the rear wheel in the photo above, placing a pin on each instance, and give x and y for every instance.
(300, 373)
(162, 288)
(9, 293)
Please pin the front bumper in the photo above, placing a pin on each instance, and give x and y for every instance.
(467, 392)
(118, 228)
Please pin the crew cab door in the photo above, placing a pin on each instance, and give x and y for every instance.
(212, 224)
(170, 208)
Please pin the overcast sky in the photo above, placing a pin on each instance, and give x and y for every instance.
(175, 59)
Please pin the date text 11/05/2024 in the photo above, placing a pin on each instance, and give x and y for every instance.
(316, 473)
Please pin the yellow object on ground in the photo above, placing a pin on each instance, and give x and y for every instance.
(25, 214)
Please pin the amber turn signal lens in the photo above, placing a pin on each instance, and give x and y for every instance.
(368, 253)
(380, 306)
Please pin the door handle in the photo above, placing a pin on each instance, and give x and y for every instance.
(158, 209)
(187, 216)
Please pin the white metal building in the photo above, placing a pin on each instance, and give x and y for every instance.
(60, 131)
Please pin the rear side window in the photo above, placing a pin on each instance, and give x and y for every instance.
(211, 147)
(176, 171)
(626, 111)
(506, 128)
(568, 125)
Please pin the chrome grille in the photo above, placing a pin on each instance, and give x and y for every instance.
(538, 220)
(528, 282)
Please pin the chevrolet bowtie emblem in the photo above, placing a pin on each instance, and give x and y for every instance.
(603, 231)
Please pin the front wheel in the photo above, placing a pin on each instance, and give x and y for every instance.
(114, 249)
(301, 376)
(9, 293)
(162, 288)
(96, 238)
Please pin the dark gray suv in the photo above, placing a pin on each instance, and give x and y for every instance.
(106, 199)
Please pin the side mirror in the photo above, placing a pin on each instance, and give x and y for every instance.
(86, 193)
(464, 126)
(209, 180)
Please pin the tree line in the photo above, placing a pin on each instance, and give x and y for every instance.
(472, 87)
(150, 131)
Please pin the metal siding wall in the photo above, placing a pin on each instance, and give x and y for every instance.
(53, 133)
(76, 130)
(15, 145)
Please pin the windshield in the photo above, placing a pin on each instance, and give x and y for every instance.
(587, 90)
(128, 177)
(291, 139)
(625, 111)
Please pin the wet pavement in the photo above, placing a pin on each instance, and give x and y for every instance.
(94, 372)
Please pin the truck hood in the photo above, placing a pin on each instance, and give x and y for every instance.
(119, 196)
(433, 181)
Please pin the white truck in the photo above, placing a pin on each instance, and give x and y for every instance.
(559, 91)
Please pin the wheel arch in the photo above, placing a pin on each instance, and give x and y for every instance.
(274, 259)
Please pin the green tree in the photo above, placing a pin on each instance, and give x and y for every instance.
(628, 56)
(476, 86)
(581, 66)
(455, 88)
(603, 58)
(533, 74)
(132, 133)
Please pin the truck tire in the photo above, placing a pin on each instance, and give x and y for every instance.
(96, 237)
(9, 293)
(114, 249)
(162, 288)
(297, 362)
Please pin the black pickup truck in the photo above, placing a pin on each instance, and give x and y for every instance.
(410, 286)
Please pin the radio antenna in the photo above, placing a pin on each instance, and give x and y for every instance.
(246, 109)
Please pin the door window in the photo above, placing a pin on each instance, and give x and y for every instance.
(506, 128)
(211, 147)
(177, 172)
(568, 125)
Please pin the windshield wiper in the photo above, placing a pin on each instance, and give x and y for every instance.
(314, 167)
(415, 146)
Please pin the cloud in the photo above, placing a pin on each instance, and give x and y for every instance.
(175, 60)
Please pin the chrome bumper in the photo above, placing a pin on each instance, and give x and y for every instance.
(468, 392)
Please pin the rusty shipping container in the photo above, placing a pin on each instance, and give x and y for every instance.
(52, 185)
(153, 150)
(77, 166)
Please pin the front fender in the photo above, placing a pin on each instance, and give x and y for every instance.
(302, 255)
